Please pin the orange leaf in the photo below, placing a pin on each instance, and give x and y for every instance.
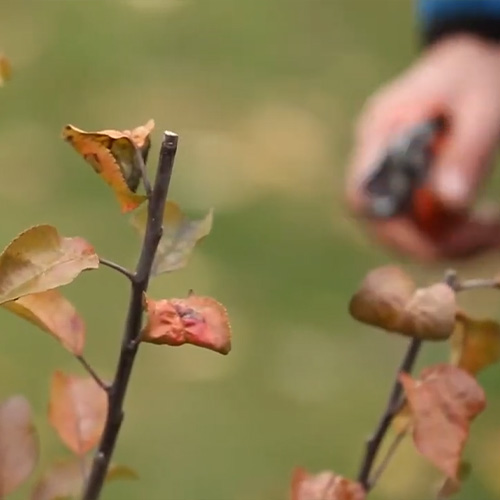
(200, 321)
(5, 70)
(475, 343)
(324, 486)
(443, 403)
(389, 299)
(116, 157)
(450, 486)
(39, 259)
(77, 411)
(53, 313)
(18, 444)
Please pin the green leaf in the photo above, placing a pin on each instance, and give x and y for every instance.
(180, 236)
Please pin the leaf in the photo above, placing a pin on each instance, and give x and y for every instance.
(324, 486)
(64, 479)
(53, 313)
(120, 472)
(18, 444)
(77, 411)
(443, 403)
(389, 299)
(451, 486)
(116, 158)
(200, 321)
(475, 344)
(39, 259)
(180, 236)
(5, 70)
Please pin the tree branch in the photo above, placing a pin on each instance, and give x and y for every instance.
(116, 267)
(133, 324)
(394, 403)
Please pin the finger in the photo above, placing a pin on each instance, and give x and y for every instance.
(466, 155)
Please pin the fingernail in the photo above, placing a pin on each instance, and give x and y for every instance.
(452, 188)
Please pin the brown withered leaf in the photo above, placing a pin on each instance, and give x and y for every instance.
(64, 479)
(117, 157)
(389, 299)
(475, 344)
(5, 70)
(39, 259)
(200, 321)
(443, 402)
(18, 444)
(77, 411)
(53, 313)
(180, 236)
(324, 486)
(450, 486)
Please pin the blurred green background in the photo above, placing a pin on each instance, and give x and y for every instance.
(263, 94)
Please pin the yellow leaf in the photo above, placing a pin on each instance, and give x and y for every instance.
(39, 259)
(475, 344)
(77, 411)
(53, 313)
(180, 236)
(117, 157)
(18, 444)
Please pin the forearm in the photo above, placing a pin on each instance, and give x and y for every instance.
(441, 18)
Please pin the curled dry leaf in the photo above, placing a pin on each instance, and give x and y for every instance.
(5, 70)
(77, 411)
(200, 321)
(180, 236)
(18, 444)
(64, 479)
(324, 486)
(450, 486)
(475, 344)
(39, 259)
(118, 157)
(443, 402)
(389, 299)
(53, 313)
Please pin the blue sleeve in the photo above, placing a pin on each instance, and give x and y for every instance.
(438, 18)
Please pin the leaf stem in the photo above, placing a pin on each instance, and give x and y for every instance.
(387, 458)
(117, 267)
(99, 381)
(130, 344)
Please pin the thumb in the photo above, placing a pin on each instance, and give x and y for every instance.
(466, 155)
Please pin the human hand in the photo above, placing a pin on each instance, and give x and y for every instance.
(460, 78)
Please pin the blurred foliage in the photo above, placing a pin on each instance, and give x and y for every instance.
(263, 94)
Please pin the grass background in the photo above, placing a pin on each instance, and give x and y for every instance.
(263, 94)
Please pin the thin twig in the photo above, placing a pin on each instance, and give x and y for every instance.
(387, 458)
(394, 403)
(99, 381)
(117, 267)
(392, 407)
(133, 324)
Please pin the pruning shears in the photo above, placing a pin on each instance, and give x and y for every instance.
(397, 185)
